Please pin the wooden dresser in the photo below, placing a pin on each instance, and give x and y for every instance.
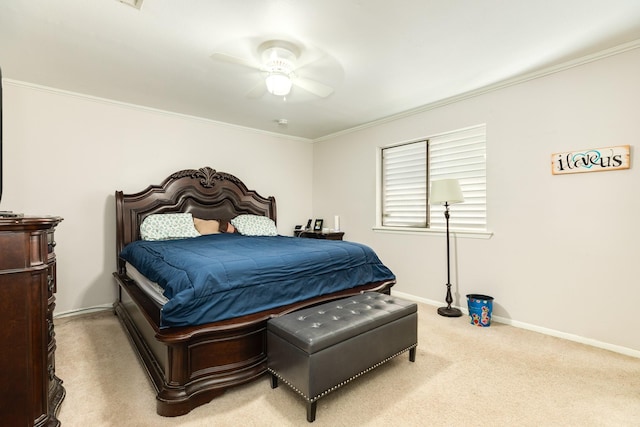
(30, 392)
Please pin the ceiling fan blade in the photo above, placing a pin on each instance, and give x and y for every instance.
(223, 57)
(313, 87)
(258, 90)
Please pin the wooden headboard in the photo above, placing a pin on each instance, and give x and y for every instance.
(204, 192)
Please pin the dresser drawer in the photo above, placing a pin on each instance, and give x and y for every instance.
(23, 250)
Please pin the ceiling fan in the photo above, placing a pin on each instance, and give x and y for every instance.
(278, 61)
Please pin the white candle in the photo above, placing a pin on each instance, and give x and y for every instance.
(336, 223)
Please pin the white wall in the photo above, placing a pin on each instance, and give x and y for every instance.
(66, 155)
(564, 254)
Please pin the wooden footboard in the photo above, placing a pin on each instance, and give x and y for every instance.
(189, 366)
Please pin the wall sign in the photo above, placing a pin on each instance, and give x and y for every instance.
(591, 160)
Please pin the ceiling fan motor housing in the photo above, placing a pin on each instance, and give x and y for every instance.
(279, 56)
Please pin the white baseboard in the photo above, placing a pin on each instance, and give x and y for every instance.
(81, 311)
(552, 332)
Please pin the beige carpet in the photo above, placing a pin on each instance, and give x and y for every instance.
(463, 376)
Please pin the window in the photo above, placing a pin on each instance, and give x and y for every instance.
(407, 169)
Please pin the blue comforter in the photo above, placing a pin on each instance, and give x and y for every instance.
(221, 276)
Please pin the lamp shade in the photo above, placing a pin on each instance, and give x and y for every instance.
(446, 191)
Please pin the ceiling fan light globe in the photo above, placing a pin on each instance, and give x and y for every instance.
(278, 84)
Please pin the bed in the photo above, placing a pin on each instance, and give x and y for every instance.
(189, 365)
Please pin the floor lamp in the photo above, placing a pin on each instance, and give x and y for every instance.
(447, 192)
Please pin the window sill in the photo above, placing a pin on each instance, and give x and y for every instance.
(468, 234)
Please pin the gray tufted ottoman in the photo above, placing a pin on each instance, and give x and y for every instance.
(319, 349)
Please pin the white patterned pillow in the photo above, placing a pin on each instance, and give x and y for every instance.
(254, 225)
(168, 226)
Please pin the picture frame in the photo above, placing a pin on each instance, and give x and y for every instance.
(317, 226)
(308, 227)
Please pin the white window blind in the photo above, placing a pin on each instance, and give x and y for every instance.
(462, 155)
(408, 169)
(404, 185)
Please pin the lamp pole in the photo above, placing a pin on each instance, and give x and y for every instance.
(448, 311)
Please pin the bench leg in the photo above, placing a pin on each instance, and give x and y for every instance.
(311, 411)
(274, 381)
(412, 354)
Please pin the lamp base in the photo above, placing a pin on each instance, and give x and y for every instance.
(449, 312)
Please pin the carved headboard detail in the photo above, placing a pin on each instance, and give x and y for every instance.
(207, 176)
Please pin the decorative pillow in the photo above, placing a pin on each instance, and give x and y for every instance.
(254, 225)
(168, 226)
(207, 226)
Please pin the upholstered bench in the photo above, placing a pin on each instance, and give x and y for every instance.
(318, 349)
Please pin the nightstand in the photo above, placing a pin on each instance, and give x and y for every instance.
(332, 235)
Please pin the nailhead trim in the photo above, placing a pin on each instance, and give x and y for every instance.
(324, 393)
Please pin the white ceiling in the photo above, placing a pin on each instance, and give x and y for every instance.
(382, 57)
